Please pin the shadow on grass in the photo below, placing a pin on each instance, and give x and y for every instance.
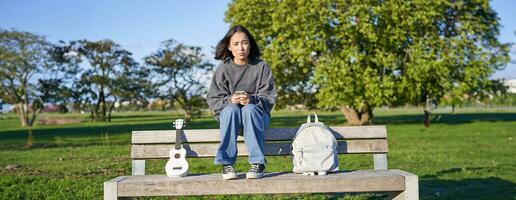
(446, 118)
(118, 133)
(140, 115)
(433, 187)
(470, 188)
(111, 134)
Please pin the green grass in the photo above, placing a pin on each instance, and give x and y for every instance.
(469, 155)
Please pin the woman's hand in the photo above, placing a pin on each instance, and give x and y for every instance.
(235, 99)
(244, 99)
(240, 99)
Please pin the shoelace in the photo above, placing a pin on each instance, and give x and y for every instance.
(229, 168)
(255, 168)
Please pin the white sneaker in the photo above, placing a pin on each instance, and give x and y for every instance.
(256, 171)
(228, 172)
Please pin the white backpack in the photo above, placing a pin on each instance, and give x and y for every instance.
(314, 149)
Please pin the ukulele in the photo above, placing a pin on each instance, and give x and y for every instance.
(177, 165)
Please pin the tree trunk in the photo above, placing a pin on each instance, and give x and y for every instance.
(355, 117)
(351, 116)
(453, 109)
(104, 110)
(100, 108)
(35, 113)
(95, 112)
(33, 118)
(111, 110)
(92, 116)
(429, 107)
(366, 115)
(427, 118)
(22, 113)
(30, 138)
(188, 113)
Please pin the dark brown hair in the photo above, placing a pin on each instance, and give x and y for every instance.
(222, 52)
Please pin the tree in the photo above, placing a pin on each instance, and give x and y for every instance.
(178, 71)
(64, 84)
(329, 48)
(452, 52)
(106, 61)
(132, 85)
(55, 92)
(365, 54)
(23, 56)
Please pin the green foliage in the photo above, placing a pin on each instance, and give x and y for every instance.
(455, 54)
(505, 100)
(287, 41)
(365, 54)
(361, 63)
(178, 73)
(54, 91)
(110, 73)
(132, 85)
(23, 55)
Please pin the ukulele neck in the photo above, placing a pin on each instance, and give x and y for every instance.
(178, 139)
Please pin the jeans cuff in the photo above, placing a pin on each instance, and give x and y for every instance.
(257, 161)
(223, 162)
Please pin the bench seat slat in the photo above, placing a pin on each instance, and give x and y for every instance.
(212, 135)
(156, 151)
(271, 183)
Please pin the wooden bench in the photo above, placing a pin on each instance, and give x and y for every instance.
(204, 142)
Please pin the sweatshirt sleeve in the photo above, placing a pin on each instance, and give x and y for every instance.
(266, 95)
(218, 93)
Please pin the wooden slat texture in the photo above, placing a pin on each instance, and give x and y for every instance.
(212, 135)
(271, 183)
(154, 151)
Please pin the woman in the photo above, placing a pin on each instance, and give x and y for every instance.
(241, 94)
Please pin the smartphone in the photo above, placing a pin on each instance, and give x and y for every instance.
(239, 93)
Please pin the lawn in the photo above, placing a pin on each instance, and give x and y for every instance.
(467, 155)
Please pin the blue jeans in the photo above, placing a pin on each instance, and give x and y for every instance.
(253, 121)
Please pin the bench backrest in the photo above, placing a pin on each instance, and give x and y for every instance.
(204, 143)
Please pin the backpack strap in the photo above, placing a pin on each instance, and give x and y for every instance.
(308, 119)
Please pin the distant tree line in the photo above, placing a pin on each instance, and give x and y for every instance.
(94, 75)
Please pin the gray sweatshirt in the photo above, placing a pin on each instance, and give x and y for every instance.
(254, 77)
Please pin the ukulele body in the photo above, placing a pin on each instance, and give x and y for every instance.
(177, 166)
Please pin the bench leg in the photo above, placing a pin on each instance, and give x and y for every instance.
(138, 167)
(411, 191)
(380, 161)
(111, 188)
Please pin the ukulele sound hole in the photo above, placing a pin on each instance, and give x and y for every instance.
(177, 155)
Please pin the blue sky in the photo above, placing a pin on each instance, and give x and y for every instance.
(140, 26)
